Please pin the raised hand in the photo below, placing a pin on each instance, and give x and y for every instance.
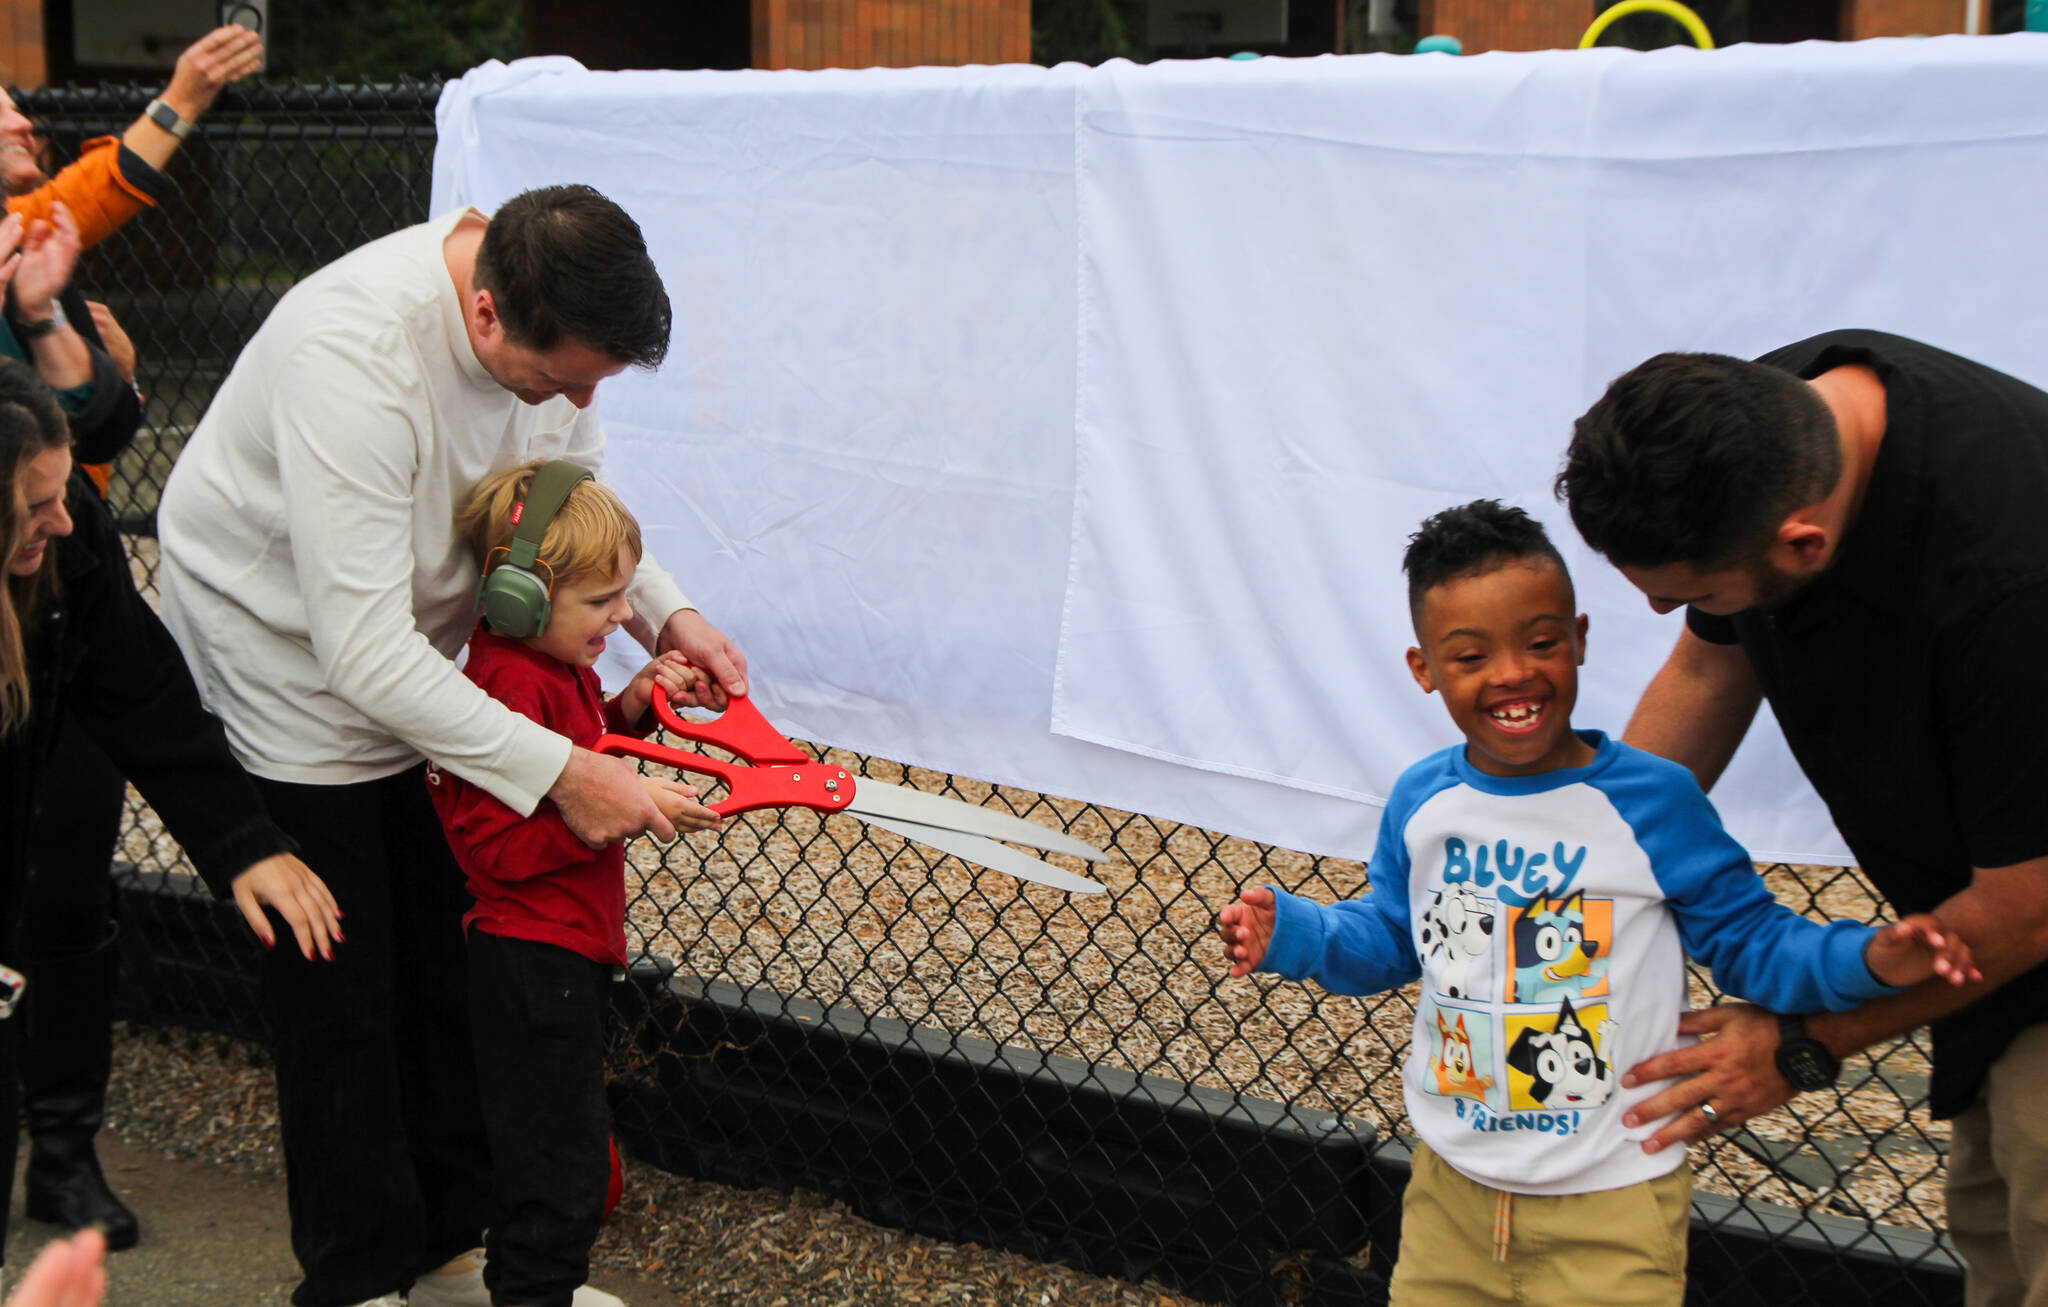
(226, 54)
(1247, 929)
(49, 253)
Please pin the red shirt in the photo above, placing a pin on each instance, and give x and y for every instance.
(531, 877)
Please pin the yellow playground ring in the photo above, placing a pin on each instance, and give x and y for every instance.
(1671, 9)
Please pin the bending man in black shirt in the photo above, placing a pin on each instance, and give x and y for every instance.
(1854, 525)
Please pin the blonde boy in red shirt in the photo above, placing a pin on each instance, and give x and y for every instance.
(548, 927)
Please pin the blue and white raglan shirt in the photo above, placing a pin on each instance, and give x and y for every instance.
(1549, 918)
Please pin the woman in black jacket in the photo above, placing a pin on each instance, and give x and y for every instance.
(76, 638)
(65, 1047)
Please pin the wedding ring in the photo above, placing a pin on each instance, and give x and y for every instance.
(1712, 1115)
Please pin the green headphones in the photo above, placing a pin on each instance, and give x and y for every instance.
(514, 598)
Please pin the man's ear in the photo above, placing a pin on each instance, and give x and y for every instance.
(483, 315)
(1418, 668)
(1801, 548)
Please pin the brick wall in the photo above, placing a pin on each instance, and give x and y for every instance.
(890, 33)
(1861, 18)
(1482, 25)
(21, 43)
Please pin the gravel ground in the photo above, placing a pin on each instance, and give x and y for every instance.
(214, 1100)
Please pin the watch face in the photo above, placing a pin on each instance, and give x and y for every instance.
(1807, 1065)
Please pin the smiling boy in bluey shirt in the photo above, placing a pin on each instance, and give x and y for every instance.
(1546, 885)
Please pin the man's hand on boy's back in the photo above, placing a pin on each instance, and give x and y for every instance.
(1247, 929)
(1916, 949)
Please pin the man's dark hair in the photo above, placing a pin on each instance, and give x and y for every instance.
(1696, 459)
(565, 263)
(1469, 540)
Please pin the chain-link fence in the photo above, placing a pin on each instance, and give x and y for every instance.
(823, 1004)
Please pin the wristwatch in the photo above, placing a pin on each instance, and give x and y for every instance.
(167, 118)
(28, 331)
(1802, 1059)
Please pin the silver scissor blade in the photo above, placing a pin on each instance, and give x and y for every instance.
(881, 799)
(987, 853)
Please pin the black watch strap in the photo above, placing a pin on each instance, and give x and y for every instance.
(28, 331)
(1804, 1061)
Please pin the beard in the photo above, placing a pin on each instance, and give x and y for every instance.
(1774, 587)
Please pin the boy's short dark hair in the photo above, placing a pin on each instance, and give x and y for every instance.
(1696, 459)
(1471, 539)
(565, 263)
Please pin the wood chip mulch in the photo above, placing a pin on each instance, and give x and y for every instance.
(215, 1100)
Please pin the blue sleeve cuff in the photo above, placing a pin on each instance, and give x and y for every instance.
(1298, 936)
(1850, 979)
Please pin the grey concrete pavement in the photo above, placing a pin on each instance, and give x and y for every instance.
(210, 1237)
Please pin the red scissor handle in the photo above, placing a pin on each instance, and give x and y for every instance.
(790, 778)
(740, 729)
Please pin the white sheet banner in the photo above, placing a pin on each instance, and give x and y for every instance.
(1289, 307)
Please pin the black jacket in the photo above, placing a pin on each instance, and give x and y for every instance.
(98, 651)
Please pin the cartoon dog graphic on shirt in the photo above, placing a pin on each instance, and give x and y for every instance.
(1456, 929)
(1553, 957)
(1565, 1061)
(1455, 1066)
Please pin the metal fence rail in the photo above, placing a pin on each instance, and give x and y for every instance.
(949, 1050)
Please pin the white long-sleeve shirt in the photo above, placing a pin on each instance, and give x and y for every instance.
(312, 573)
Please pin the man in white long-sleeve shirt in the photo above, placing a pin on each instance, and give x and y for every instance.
(313, 577)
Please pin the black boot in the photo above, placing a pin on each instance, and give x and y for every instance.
(67, 1054)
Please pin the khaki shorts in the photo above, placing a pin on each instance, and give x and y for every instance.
(1613, 1248)
(1998, 1180)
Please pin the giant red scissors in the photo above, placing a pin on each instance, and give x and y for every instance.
(774, 773)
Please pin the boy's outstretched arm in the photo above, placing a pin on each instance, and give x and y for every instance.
(1247, 928)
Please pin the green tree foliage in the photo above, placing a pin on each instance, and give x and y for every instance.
(379, 40)
(1087, 31)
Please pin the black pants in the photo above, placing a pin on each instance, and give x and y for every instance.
(385, 1159)
(538, 1013)
(80, 800)
(65, 899)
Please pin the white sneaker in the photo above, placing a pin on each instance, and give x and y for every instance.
(457, 1283)
(388, 1300)
(460, 1283)
(586, 1296)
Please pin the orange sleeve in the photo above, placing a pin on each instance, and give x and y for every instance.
(92, 187)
